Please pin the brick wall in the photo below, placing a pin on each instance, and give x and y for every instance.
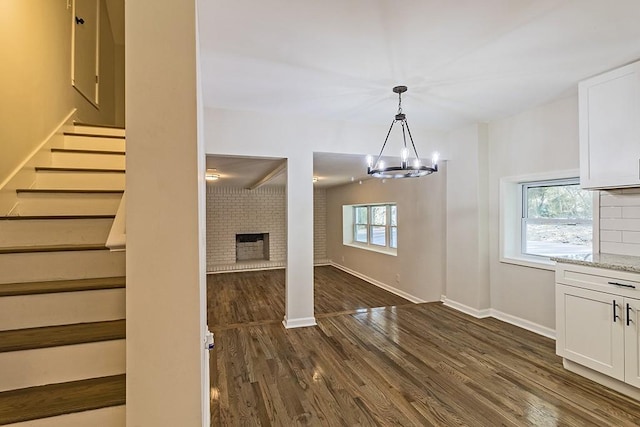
(620, 222)
(320, 225)
(232, 211)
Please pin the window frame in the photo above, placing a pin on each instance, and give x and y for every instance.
(510, 218)
(525, 187)
(349, 239)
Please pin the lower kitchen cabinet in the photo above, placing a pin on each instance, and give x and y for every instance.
(597, 321)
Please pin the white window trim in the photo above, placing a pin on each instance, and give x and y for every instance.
(348, 229)
(510, 240)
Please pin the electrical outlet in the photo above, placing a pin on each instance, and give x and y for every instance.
(342, 258)
(397, 277)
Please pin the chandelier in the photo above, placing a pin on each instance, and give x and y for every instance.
(410, 165)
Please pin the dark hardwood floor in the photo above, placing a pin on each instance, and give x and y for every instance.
(411, 365)
(258, 296)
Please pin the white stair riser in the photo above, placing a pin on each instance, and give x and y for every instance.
(29, 368)
(54, 231)
(42, 266)
(81, 180)
(92, 130)
(67, 204)
(62, 308)
(114, 416)
(65, 159)
(93, 143)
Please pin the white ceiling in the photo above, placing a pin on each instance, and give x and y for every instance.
(464, 61)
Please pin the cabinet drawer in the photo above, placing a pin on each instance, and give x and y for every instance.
(599, 279)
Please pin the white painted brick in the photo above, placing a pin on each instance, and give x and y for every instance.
(231, 211)
(611, 236)
(631, 212)
(620, 248)
(620, 224)
(631, 237)
(619, 200)
(611, 212)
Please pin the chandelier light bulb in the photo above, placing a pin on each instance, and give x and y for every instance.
(434, 158)
(416, 163)
(370, 161)
(381, 164)
(405, 154)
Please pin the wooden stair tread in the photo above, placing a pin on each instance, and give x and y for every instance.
(86, 151)
(52, 248)
(63, 398)
(56, 336)
(67, 191)
(34, 288)
(93, 135)
(65, 169)
(96, 125)
(61, 217)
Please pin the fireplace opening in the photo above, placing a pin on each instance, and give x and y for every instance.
(252, 246)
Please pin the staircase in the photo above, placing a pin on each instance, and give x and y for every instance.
(62, 292)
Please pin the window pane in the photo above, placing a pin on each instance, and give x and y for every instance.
(361, 214)
(558, 239)
(378, 235)
(378, 215)
(559, 202)
(360, 233)
(393, 237)
(394, 215)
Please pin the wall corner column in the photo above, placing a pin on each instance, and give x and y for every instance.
(299, 275)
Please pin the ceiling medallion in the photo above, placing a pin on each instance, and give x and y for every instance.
(410, 165)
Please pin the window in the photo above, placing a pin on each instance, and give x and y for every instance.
(373, 227)
(545, 215)
(557, 218)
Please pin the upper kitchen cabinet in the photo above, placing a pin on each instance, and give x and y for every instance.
(610, 129)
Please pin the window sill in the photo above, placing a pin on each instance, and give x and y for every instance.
(532, 262)
(386, 251)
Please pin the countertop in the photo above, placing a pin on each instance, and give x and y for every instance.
(610, 261)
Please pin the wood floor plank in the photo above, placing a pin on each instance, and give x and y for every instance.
(57, 399)
(53, 336)
(33, 288)
(410, 364)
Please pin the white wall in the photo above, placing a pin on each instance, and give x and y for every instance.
(467, 213)
(418, 270)
(167, 364)
(543, 139)
(35, 77)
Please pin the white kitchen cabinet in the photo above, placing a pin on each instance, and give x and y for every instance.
(598, 325)
(588, 333)
(609, 115)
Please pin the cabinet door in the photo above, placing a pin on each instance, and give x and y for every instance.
(587, 331)
(610, 129)
(632, 341)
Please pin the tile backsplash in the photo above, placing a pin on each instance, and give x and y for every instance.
(620, 221)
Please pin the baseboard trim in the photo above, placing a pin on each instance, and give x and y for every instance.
(301, 322)
(479, 314)
(379, 284)
(504, 317)
(524, 324)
